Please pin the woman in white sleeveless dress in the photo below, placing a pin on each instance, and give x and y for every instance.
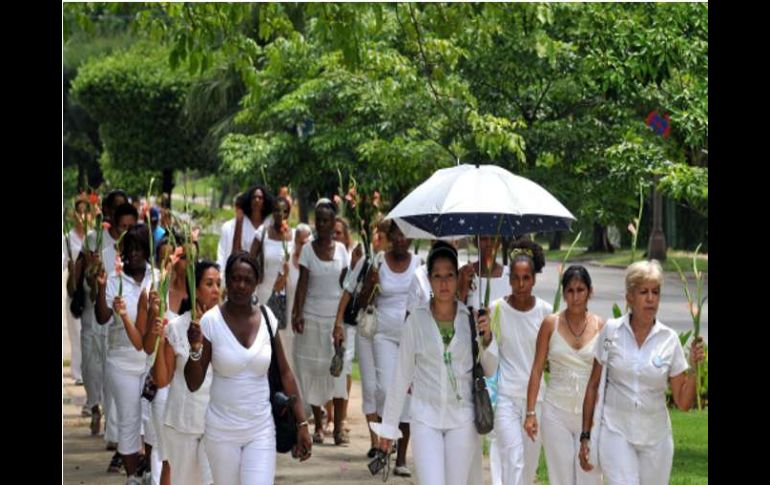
(567, 340)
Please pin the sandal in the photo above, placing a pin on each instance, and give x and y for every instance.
(116, 463)
(340, 439)
(96, 420)
(318, 438)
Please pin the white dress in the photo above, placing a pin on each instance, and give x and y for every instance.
(273, 254)
(313, 349)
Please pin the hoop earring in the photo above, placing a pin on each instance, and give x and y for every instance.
(254, 299)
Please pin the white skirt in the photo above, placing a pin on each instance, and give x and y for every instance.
(313, 352)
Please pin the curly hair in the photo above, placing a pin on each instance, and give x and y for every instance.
(529, 251)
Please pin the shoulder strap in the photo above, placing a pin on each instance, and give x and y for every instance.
(274, 371)
(474, 345)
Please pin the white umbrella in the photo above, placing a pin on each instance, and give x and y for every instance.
(468, 200)
(478, 200)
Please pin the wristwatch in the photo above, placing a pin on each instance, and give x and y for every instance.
(585, 435)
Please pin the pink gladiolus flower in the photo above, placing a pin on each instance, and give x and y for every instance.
(106, 225)
(632, 228)
(118, 264)
(337, 200)
(693, 309)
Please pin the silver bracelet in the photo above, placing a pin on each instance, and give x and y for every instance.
(196, 356)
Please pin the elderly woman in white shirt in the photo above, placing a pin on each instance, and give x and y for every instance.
(566, 340)
(643, 356)
(435, 359)
(520, 315)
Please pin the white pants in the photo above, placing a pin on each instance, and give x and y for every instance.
(350, 348)
(93, 343)
(443, 457)
(519, 455)
(385, 360)
(368, 373)
(110, 413)
(561, 440)
(187, 457)
(73, 330)
(234, 463)
(127, 390)
(626, 464)
(157, 412)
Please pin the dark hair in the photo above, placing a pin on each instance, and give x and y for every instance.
(442, 249)
(124, 210)
(575, 271)
(136, 236)
(244, 201)
(200, 268)
(283, 199)
(529, 251)
(238, 257)
(109, 199)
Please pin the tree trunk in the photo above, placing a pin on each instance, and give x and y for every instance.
(168, 183)
(304, 204)
(601, 242)
(555, 241)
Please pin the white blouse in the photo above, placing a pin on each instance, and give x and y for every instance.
(637, 379)
(323, 283)
(421, 365)
(225, 246)
(185, 410)
(239, 406)
(517, 341)
(391, 300)
(120, 350)
(570, 370)
(273, 257)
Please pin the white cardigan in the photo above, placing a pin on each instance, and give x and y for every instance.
(421, 365)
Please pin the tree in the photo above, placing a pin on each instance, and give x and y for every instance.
(138, 101)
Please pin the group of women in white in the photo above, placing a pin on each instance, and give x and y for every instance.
(210, 419)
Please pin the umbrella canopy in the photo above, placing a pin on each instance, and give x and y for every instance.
(478, 200)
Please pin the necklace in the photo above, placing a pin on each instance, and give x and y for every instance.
(585, 325)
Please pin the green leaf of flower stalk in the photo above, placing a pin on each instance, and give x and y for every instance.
(616, 312)
(152, 236)
(557, 297)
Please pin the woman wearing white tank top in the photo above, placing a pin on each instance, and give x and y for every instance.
(567, 340)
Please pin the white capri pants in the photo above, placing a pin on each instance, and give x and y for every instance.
(385, 361)
(187, 457)
(127, 390)
(234, 463)
(93, 345)
(443, 456)
(519, 455)
(626, 464)
(561, 441)
(368, 373)
(350, 348)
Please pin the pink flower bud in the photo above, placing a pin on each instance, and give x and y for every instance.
(632, 228)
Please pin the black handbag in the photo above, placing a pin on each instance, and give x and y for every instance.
(483, 414)
(78, 302)
(283, 415)
(277, 303)
(355, 304)
(149, 390)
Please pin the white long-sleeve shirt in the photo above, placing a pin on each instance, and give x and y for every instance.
(421, 365)
(225, 247)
